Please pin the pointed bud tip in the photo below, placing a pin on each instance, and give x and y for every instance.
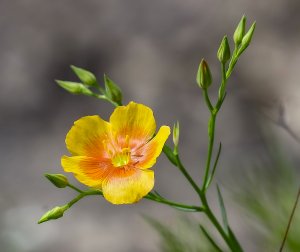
(240, 31)
(247, 38)
(53, 214)
(59, 180)
(176, 132)
(41, 220)
(87, 77)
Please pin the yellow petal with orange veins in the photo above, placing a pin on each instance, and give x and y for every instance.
(86, 137)
(134, 121)
(145, 157)
(89, 171)
(125, 186)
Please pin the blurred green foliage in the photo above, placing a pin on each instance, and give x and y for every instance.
(265, 191)
(268, 192)
(184, 235)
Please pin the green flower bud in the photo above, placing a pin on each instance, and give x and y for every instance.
(239, 31)
(85, 76)
(224, 51)
(204, 78)
(59, 180)
(112, 91)
(74, 87)
(176, 136)
(53, 214)
(247, 38)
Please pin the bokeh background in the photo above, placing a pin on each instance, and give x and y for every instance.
(152, 50)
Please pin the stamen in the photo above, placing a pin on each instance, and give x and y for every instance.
(127, 140)
(137, 155)
(135, 163)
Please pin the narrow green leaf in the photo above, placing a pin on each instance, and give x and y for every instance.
(112, 91)
(158, 194)
(186, 209)
(169, 240)
(223, 210)
(151, 195)
(211, 176)
(210, 239)
(234, 242)
(170, 155)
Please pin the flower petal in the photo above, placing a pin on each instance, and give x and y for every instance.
(145, 157)
(127, 185)
(89, 171)
(134, 121)
(86, 137)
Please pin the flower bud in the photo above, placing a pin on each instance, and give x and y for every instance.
(224, 51)
(112, 91)
(55, 213)
(176, 136)
(85, 76)
(239, 31)
(247, 38)
(74, 87)
(59, 180)
(204, 78)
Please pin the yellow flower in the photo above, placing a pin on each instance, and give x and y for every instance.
(115, 156)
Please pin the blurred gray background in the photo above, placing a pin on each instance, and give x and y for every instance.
(152, 50)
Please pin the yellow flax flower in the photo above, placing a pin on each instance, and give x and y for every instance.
(115, 156)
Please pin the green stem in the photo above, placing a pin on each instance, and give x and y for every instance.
(174, 204)
(104, 97)
(205, 208)
(75, 188)
(214, 220)
(187, 175)
(232, 62)
(211, 133)
(83, 194)
(207, 100)
(222, 86)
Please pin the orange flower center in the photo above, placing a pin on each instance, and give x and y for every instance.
(121, 158)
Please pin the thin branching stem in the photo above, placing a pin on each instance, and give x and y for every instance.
(290, 221)
(175, 204)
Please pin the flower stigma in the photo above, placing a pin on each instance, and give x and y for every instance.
(121, 158)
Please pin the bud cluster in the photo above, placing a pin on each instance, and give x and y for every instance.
(240, 37)
(88, 80)
(241, 40)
